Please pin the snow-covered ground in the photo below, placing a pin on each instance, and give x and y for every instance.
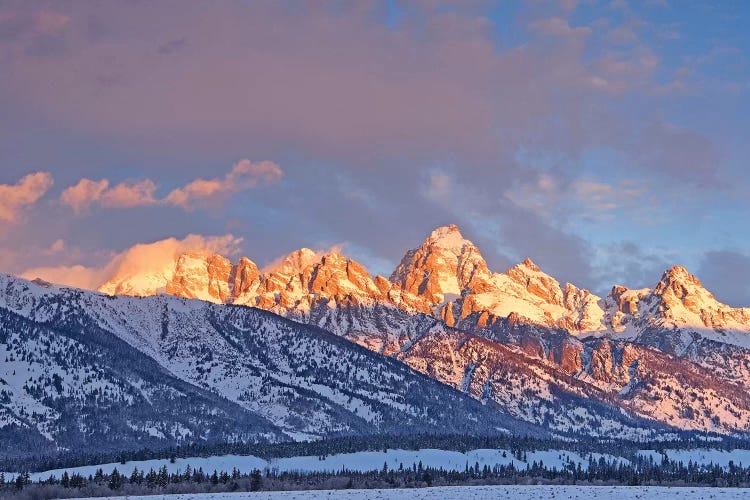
(361, 461)
(480, 492)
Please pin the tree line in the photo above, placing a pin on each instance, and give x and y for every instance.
(353, 444)
(641, 471)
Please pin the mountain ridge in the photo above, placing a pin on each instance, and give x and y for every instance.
(164, 371)
(446, 277)
(445, 314)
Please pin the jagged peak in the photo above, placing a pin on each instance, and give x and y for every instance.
(678, 275)
(245, 261)
(442, 231)
(200, 256)
(618, 290)
(529, 264)
(527, 267)
(448, 237)
(295, 262)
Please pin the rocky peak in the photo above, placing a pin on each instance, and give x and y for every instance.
(678, 300)
(448, 237)
(680, 282)
(529, 264)
(201, 276)
(536, 282)
(627, 300)
(445, 264)
(296, 262)
(685, 301)
(341, 279)
(246, 277)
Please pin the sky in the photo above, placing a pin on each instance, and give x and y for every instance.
(606, 140)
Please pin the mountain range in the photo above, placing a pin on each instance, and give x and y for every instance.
(324, 348)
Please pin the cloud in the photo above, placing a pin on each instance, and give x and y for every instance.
(83, 194)
(27, 191)
(244, 175)
(622, 34)
(507, 232)
(630, 264)
(124, 195)
(130, 194)
(142, 258)
(439, 187)
(77, 276)
(559, 27)
(688, 157)
(726, 273)
(560, 199)
(57, 247)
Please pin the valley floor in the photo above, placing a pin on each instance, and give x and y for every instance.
(480, 492)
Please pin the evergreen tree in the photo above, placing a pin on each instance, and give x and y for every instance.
(115, 480)
(255, 480)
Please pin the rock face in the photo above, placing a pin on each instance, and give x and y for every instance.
(445, 265)
(676, 312)
(447, 278)
(446, 314)
(117, 373)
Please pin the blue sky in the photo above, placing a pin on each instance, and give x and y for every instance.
(607, 140)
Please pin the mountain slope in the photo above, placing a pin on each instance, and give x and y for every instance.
(445, 284)
(246, 373)
(68, 387)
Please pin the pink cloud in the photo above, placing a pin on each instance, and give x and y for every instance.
(244, 175)
(27, 191)
(152, 259)
(124, 195)
(130, 194)
(82, 195)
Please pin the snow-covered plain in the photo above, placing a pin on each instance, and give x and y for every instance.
(477, 492)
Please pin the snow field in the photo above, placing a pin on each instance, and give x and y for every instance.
(480, 492)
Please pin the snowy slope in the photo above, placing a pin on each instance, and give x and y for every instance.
(297, 379)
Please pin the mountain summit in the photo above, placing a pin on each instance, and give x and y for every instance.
(442, 267)
(445, 277)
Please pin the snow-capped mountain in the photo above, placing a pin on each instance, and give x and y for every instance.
(671, 353)
(447, 278)
(85, 371)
